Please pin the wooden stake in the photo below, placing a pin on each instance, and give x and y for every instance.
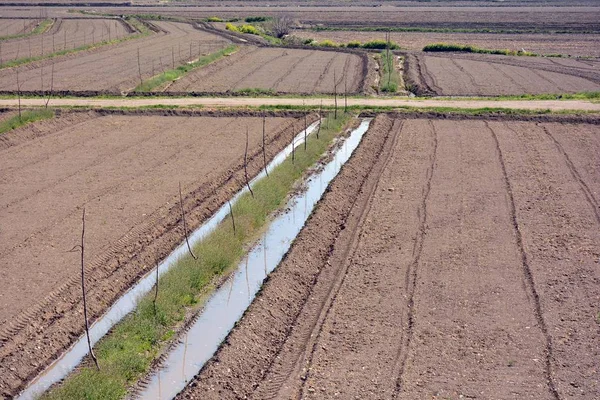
(155, 288)
(320, 118)
(246, 164)
(232, 218)
(305, 128)
(264, 146)
(85, 316)
(139, 66)
(51, 85)
(185, 231)
(18, 92)
(335, 95)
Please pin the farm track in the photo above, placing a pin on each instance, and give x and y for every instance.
(432, 249)
(119, 252)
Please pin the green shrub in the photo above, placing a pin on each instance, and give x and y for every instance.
(354, 44)
(308, 41)
(231, 27)
(257, 19)
(250, 29)
(380, 44)
(442, 47)
(327, 43)
(214, 19)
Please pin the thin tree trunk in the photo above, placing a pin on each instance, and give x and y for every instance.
(232, 218)
(18, 92)
(155, 289)
(85, 316)
(320, 118)
(264, 146)
(185, 231)
(246, 164)
(139, 66)
(335, 95)
(51, 86)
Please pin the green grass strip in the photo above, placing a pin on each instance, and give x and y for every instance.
(446, 47)
(42, 27)
(144, 31)
(126, 353)
(443, 30)
(174, 74)
(26, 117)
(389, 81)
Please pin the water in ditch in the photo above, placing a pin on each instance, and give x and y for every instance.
(60, 368)
(226, 306)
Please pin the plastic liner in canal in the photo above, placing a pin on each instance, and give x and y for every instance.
(227, 305)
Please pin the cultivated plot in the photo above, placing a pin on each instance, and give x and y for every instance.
(17, 26)
(455, 243)
(541, 43)
(124, 169)
(492, 75)
(278, 70)
(117, 67)
(65, 34)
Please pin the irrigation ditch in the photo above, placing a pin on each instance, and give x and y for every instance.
(304, 197)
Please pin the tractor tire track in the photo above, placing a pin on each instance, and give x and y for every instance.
(539, 315)
(413, 270)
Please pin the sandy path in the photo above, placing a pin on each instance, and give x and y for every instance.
(554, 105)
(453, 260)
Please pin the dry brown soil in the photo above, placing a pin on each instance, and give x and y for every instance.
(277, 69)
(449, 259)
(115, 67)
(493, 75)
(65, 34)
(124, 169)
(17, 26)
(541, 43)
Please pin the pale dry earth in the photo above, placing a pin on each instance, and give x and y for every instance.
(17, 26)
(450, 259)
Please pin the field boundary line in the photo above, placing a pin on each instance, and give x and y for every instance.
(526, 268)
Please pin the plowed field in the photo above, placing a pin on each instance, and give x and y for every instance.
(279, 70)
(541, 43)
(450, 259)
(490, 75)
(65, 34)
(17, 26)
(115, 67)
(124, 169)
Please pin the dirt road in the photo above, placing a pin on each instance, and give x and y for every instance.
(449, 260)
(554, 105)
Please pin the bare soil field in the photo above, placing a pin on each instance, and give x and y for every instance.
(449, 259)
(65, 34)
(279, 70)
(551, 18)
(491, 75)
(576, 45)
(115, 67)
(124, 169)
(17, 26)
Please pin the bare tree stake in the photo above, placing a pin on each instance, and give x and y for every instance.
(184, 224)
(264, 146)
(85, 316)
(246, 164)
(232, 218)
(320, 118)
(155, 288)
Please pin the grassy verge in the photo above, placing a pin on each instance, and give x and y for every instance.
(42, 27)
(389, 80)
(142, 29)
(174, 74)
(26, 117)
(446, 47)
(127, 352)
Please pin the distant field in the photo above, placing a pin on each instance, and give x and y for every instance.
(484, 75)
(65, 34)
(115, 67)
(277, 70)
(566, 44)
